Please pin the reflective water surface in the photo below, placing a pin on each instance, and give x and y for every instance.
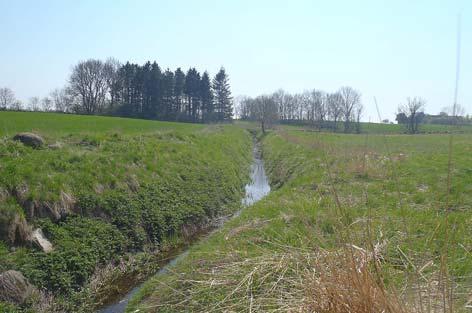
(255, 190)
(259, 185)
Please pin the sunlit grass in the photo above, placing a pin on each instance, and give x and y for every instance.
(110, 187)
(335, 192)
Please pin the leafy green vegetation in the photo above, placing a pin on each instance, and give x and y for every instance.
(110, 188)
(385, 195)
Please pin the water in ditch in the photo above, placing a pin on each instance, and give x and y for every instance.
(255, 190)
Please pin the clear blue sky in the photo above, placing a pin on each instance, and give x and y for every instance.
(388, 49)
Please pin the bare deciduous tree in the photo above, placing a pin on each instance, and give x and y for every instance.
(320, 107)
(334, 107)
(263, 109)
(266, 111)
(16, 106)
(46, 104)
(413, 110)
(89, 83)
(62, 99)
(306, 106)
(279, 98)
(7, 98)
(241, 109)
(291, 106)
(350, 99)
(111, 68)
(358, 111)
(33, 104)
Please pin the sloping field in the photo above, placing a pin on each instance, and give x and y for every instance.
(57, 124)
(356, 223)
(111, 195)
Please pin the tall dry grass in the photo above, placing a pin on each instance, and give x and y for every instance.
(346, 284)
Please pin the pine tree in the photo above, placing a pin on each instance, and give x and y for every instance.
(137, 91)
(167, 86)
(146, 90)
(155, 89)
(191, 90)
(223, 99)
(206, 98)
(179, 78)
(127, 74)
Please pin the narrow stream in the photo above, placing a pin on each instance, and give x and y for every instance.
(259, 185)
(254, 191)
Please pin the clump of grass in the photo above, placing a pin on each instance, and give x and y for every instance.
(256, 284)
(345, 283)
(293, 281)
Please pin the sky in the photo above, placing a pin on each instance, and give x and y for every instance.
(385, 49)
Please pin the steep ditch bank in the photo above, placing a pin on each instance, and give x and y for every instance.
(132, 193)
(255, 190)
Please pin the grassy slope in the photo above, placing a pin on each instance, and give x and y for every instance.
(130, 184)
(395, 184)
(55, 124)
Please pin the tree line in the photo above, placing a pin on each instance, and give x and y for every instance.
(338, 111)
(139, 91)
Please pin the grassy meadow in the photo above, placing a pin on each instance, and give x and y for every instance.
(376, 128)
(55, 125)
(111, 194)
(363, 222)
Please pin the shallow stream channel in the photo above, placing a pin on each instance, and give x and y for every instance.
(255, 190)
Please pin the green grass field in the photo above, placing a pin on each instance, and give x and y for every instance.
(385, 194)
(377, 128)
(114, 191)
(112, 188)
(55, 125)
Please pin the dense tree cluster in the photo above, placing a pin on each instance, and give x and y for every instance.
(146, 91)
(318, 108)
(140, 91)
